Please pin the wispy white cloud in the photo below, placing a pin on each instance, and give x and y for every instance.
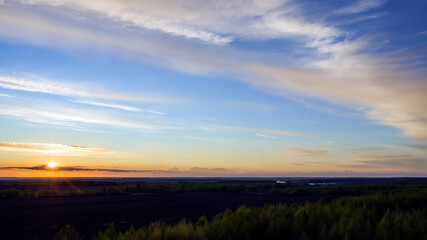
(412, 120)
(33, 83)
(361, 6)
(5, 95)
(362, 17)
(118, 106)
(178, 21)
(75, 118)
(54, 149)
(253, 130)
(110, 105)
(265, 136)
(216, 22)
(391, 98)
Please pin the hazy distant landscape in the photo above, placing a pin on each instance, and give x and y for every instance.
(187, 208)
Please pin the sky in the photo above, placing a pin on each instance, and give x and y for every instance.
(135, 88)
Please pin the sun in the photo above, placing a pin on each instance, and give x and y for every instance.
(52, 165)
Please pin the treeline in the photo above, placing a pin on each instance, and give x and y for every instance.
(110, 189)
(396, 215)
(78, 188)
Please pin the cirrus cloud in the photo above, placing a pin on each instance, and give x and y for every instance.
(309, 152)
(54, 149)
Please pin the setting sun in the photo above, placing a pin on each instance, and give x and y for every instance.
(52, 165)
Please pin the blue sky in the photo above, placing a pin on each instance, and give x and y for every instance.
(213, 88)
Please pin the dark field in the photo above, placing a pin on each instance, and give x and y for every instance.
(41, 217)
(92, 206)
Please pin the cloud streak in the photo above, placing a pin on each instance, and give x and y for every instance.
(218, 22)
(253, 130)
(76, 118)
(407, 162)
(5, 95)
(418, 146)
(146, 15)
(308, 152)
(34, 83)
(361, 6)
(54, 149)
(117, 106)
(264, 136)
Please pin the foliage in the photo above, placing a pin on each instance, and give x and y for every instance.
(66, 233)
(384, 215)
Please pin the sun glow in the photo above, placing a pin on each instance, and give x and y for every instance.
(52, 165)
